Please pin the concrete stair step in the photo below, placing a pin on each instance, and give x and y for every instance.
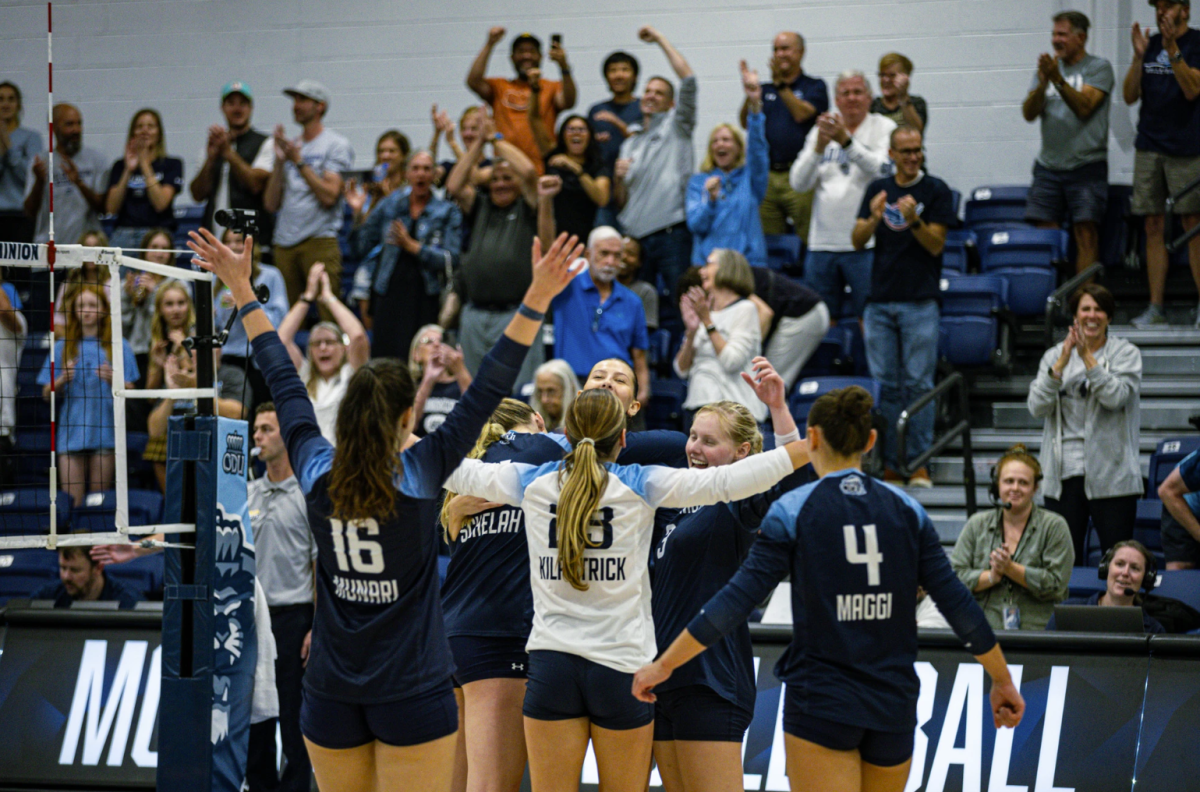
(1161, 414)
(948, 470)
(1017, 387)
(1170, 362)
(1173, 335)
(983, 440)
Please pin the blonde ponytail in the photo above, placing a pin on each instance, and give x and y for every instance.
(594, 424)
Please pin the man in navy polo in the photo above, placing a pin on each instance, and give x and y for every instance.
(596, 318)
(792, 100)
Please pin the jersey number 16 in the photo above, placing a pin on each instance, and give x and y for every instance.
(364, 555)
(871, 556)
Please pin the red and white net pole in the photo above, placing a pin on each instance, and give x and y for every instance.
(50, 256)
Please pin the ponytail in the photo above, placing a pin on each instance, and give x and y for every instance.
(594, 424)
(508, 416)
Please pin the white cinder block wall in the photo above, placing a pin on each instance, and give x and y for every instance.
(387, 62)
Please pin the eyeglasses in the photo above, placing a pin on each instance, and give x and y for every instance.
(325, 342)
(909, 152)
(596, 319)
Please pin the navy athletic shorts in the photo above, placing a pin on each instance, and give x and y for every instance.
(880, 748)
(479, 657)
(696, 712)
(563, 686)
(420, 719)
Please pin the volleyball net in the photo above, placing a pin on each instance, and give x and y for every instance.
(67, 395)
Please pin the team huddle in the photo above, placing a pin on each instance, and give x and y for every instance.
(600, 580)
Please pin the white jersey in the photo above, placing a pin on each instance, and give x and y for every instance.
(610, 623)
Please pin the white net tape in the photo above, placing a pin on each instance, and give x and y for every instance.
(69, 257)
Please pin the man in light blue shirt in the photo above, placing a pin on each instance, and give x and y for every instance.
(596, 318)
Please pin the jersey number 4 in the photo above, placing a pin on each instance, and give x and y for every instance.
(871, 556)
(602, 520)
(351, 550)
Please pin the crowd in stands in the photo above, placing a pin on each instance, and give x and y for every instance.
(440, 250)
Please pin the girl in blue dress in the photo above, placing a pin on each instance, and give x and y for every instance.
(83, 377)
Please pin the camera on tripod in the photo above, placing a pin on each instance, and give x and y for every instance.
(242, 221)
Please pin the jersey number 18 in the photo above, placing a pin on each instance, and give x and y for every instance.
(602, 520)
(871, 556)
(364, 555)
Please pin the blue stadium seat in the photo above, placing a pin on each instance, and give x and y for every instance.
(1167, 455)
(784, 251)
(29, 562)
(808, 391)
(660, 349)
(666, 404)
(22, 586)
(834, 354)
(145, 507)
(144, 576)
(1022, 247)
(26, 510)
(1180, 584)
(994, 205)
(968, 340)
(956, 253)
(956, 202)
(1028, 288)
(97, 513)
(974, 295)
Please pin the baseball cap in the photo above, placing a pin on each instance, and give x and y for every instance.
(1187, 3)
(527, 37)
(236, 86)
(309, 89)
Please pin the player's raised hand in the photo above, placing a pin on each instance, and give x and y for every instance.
(552, 271)
(214, 256)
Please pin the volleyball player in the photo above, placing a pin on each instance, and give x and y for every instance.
(856, 550)
(488, 606)
(588, 525)
(703, 711)
(379, 711)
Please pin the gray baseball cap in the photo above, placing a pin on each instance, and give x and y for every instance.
(309, 89)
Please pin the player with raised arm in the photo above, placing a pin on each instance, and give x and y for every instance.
(856, 550)
(379, 710)
(588, 526)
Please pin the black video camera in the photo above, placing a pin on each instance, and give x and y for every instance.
(242, 221)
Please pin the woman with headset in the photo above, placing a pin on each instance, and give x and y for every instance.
(1017, 557)
(1126, 569)
(856, 549)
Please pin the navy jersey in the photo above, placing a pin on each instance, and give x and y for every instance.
(857, 549)
(378, 633)
(652, 447)
(700, 549)
(486, 591)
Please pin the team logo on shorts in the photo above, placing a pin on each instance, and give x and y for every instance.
(852, 485)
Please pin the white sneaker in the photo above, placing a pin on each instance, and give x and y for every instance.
(1153, 315)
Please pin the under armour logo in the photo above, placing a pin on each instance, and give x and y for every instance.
(518, 666)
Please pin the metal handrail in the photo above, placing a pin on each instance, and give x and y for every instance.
(960, 429)
(1175, 244)
(1057, 298)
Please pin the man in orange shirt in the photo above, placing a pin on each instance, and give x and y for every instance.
(510, 99)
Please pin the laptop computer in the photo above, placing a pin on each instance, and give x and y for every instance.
(1097, 619)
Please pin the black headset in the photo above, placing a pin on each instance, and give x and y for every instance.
(1151, 574)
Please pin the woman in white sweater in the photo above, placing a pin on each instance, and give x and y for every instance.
(722, 335)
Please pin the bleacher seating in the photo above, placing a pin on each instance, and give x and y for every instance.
(1166, 456)
(97, 513)
(784, 251)
(808, 391)
(970, 324)
(1028, 258)
(144, 576)
(26, 510)
(997, 206)
(957, 252)
(665, 410)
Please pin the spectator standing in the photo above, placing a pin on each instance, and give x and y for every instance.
(286, 556)
(650, 176)
(237, 164)
(908, 215)
(586, 185)
(791, 103)
(1070, 94)
(503, 220)
(391, 162)
(723, 198)
(470, 124)
(631, 263)
(443, 378)
(18, 146)
(81, 579)
(1017, 560)
(791, 317)
(511, 100)
(1165, 76)
(615, 119)
(894, 101)
(142, 185)
(138, 301)
(721, 337)
(842, 154)
(305, 191)
(1087, 389)
(554, 388)
(1180, 495)
(421, 237)
(596, 318)
(335, 351)
(80, 181)
(90, 272)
